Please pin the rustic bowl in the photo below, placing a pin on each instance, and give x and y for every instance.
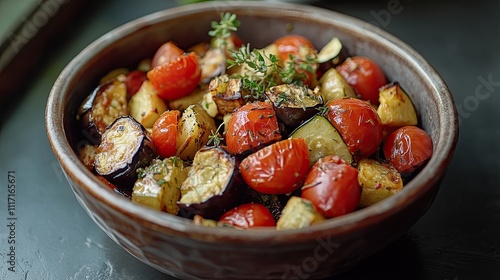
(179, 248)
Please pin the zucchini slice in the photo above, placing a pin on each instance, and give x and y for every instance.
(322, 139)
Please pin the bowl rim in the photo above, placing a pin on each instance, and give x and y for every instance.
(417, 187)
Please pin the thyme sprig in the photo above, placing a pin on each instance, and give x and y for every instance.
(222, 30)
(214, 138)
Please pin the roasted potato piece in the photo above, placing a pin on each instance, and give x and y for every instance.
(125, 147)
(86, 154)
(196, 96)
(322, 139)
(378, 181)
(396, 108)
(298, 213)
(212, 184)
(145, 106)
(159, 184)
(102, 107)
(195, 128)
(293, 103)
(334, 86)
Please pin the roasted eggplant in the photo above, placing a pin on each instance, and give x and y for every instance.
(293, 103)
(159, 184)
(213, 64)
(103, 106)
(322, 139)
(125, 146)
(212, 184)
(227, 93)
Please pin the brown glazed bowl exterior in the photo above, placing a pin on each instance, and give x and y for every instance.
(179, 248)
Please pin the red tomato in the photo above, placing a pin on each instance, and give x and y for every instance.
(252, 126)
(134, 81)
(290, 45)
(358, 123)
(167, 52)
(249, 215)
(364, 75)
(176, 78)
(279, 168)
(332, 187)
(164, 133)
(408, 148)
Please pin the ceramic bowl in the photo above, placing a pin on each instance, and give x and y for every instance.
(181, 249)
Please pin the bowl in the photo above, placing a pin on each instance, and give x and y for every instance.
(184, 250)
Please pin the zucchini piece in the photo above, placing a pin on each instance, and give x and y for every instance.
(298, 213)
(102, 107)
(322, 139)
(334, 86)
(195, 127)
(378, 181)
(125, 147)
(293, 103)
(396, 108)
(159, 184)
(212, 184)
(146, 106)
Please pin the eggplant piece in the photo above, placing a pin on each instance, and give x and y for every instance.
(125, 146)
(86, 154)
(331, 55)
(227, 93)
(213, 64)
(293, 103)
(322, 139)
(298, 213)
(212, 185)
(159, 184)
(102, 107)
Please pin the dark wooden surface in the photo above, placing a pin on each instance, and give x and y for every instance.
(458, 238)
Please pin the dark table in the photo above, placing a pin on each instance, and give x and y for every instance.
(458, 238)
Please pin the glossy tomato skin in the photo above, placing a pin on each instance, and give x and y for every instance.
(248, 215)
(176, 78)
(364, 75)
(279, 168)
(134, 80)
(167, 52)
(358, 123)
(290, 45)
(252, 126)
(164, 133)
(332, 187)
(407, 148)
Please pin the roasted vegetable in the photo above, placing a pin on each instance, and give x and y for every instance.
(194, 129)
(211, 188)
(298, 213)
(248, 215)
(159, 184)
(334, 86)
(145, 106)
(378, 181)
(106, 103)
(194, 97)
(213, 64)
(274, 203)
(125, 147)
(396, 108)
(86, 154)
(227, 93)
(293, 103)
(322, 139)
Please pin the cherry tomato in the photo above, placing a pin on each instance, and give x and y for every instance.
(299, 48)
(291, 44)
(279, 168)
(408, 148)
(176, 78)
(134, 81)
(332, 187)
(167, 52)
(248, 215)
(358, 123)
(252, 126)
(364, 75)
(164, 133)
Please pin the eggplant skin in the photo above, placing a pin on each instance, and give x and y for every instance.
(106, 103)
(125, 146)
(213, 183)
